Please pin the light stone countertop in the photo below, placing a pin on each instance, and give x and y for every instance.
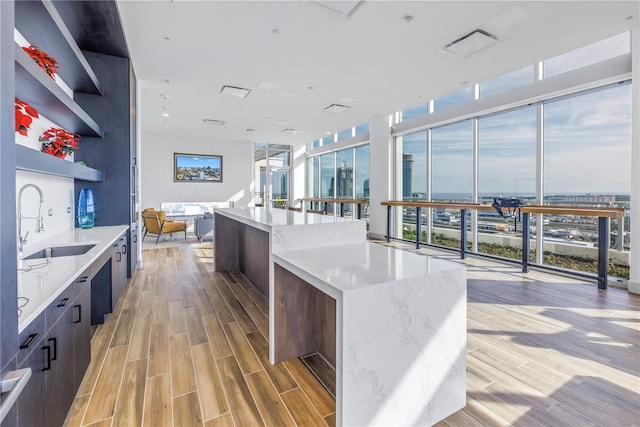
(265, 218)
(346, 267)
(42, 285)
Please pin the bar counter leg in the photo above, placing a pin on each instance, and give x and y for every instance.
(388, 223)
(526, 241)
(603, 251)
(418, 226)
(463, 234)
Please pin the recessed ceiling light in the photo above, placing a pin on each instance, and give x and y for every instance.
(327, 133)
(166, 38)
(336, 108)
(238, 92)
(213, 122)
(268, 85)
(249, 130)
(164, 96)
(470, 43)
(165, 114)
(291, 131)
(275, 31)
(407, 18)
(628, 18)
(165, 80)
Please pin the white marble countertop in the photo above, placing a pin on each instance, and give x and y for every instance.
(265, 218)
(42, 285)
(343, 268)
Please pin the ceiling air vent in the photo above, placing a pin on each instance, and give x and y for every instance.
(238, 92)
(291, 131)
(471, 43)
(336, 108)
(213, 122)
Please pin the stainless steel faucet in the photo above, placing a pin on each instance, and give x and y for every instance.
(22, 240)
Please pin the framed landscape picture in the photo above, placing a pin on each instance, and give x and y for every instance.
(197, 168)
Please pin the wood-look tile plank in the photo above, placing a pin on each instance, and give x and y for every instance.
(182, 377)
(186, 410)
(243, 408)
(146, 298)
(323, 370)
(330, 420)
(319, 396)
(217, 339)
(210, 390)
(160, 310)
(239, 313)
(76, 413)
(158, 404)
(99, 346)
(203, 302)
(278, 373)
(222, 310)
(122, 334)
(177, 321)
(103, 399)
(130, 405)
(301, 409)
(260, 319)
(268, 400)
(195, 327)
(158, 350)
(139, 344)
(247, 359)
(107, 422)
(259, 299)
(225, 420)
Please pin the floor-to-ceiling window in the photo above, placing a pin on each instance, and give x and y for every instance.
(587, 154)
(506, 169)
(570, 146)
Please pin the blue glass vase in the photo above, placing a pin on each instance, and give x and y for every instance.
(86, 208)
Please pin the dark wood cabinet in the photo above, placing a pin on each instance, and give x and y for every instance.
(59, 375)
(118, 269)
(81, 321)
(58, 358)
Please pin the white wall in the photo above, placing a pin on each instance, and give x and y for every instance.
(156, 171)
(380, 145)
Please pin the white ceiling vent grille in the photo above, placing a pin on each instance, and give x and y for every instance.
(213, 122)
(471, 43)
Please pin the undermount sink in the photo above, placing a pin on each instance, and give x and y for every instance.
(58, 251)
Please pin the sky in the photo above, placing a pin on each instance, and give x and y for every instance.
(587, 139)
(193, 161)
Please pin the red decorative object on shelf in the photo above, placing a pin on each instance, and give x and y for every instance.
(58, 142)
(46, 62)
(25, 114)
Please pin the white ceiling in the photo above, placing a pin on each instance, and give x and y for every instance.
(319, 57)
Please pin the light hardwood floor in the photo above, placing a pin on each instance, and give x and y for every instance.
(186, 347)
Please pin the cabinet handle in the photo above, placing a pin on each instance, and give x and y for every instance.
(47, 359)
(83, 279)
(30, 339)
(79, 307)
(135, 238)
(55, 347)
(63, 303)
(118, 256)
(124, 249)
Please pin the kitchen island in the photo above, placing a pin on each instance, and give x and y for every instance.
(392, 322)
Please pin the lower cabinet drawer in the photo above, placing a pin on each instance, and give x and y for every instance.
(66, 299)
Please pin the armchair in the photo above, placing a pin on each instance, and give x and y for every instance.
(156, 222)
